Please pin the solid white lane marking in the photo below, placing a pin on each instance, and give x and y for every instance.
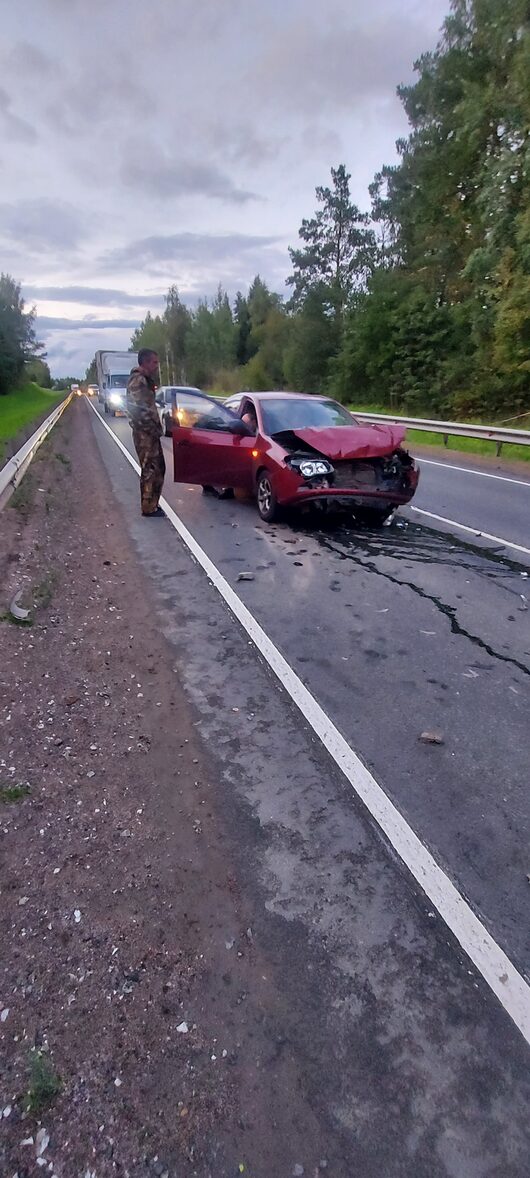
(453, 523)
(484, 474)
(502, 977)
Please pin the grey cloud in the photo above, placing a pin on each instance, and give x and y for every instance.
(43, 225)
(240, 142)
(313, 138)
(15, 127)
(92, 296)
(120, 92)
(185, 248)
(90, 323)
(72, 351)
(345, 65)
(27, 58)
(159, 176)
(73, 116)
(263, 97)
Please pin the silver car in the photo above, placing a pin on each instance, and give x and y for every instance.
(165, 400)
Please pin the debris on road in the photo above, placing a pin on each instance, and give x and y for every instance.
(432, 737)
(42, 1142)
(245, 577)
(17, 611)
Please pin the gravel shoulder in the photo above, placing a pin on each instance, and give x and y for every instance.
(113, 874)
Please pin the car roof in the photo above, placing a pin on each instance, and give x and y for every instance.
(279, 393)
(181, 388)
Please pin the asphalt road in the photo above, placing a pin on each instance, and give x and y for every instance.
(399, 1042)
(402, 631)
(489, 501)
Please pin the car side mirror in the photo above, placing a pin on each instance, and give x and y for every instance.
(240, 428)
(159, 398)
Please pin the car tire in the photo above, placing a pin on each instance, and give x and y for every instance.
(105, 407)
(266, 498)
(112, 412)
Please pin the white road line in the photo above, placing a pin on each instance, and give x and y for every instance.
(484, 474)
(502, 977)
(472, 531)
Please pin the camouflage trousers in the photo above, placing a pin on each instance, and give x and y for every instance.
(151, 459)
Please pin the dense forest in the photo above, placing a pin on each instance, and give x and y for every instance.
(423, 302)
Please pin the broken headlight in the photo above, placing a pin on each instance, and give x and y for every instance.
(310, 468)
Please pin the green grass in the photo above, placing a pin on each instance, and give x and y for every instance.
(20, 408)
(43, 592)
(8, 617)
(44, 1084)
(13, 793)
(421, 437)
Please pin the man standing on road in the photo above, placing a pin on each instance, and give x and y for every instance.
(146, 430)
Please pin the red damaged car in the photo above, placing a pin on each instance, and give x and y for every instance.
(292, 449)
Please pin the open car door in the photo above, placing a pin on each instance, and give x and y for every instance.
(211, 445)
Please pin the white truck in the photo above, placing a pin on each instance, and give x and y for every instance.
(113, 371)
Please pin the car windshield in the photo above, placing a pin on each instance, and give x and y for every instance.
(118, 382)
(302, 413)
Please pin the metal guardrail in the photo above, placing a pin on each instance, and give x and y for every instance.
(488, 433)
(16, 467)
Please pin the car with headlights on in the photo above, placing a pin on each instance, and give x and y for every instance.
(165, 400)
(292, 450)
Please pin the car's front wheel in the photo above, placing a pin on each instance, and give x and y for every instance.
(266, 497)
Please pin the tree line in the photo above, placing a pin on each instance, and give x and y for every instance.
(422, 302)
(20, 353)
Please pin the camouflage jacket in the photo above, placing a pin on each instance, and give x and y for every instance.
(141, 405)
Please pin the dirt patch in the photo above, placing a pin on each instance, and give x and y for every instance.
(113, 1007)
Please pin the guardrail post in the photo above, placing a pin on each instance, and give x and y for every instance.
(498, 449)
(446, 439)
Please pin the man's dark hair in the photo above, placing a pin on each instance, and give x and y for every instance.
(144, 355)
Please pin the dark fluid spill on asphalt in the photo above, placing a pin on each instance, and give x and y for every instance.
(405, 541)
(391, 551)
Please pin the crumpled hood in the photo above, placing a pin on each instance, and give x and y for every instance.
(359, 441)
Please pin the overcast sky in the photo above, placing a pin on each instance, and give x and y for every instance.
(182, 141)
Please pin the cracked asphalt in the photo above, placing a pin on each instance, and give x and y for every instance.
(400, 631)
